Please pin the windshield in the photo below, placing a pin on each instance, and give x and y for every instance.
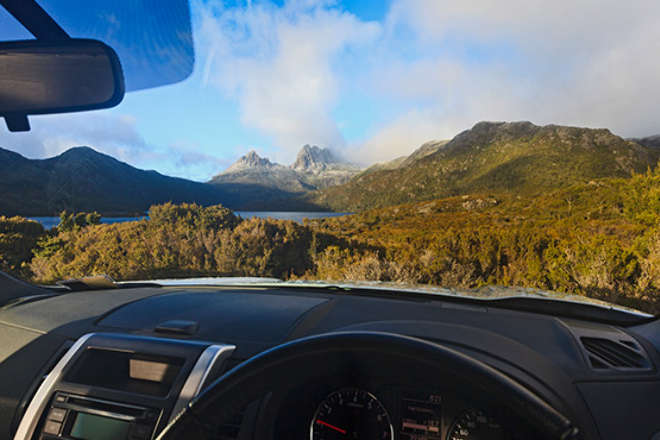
(508, 145)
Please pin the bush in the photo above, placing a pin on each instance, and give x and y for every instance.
(18, 237)
(177, 241)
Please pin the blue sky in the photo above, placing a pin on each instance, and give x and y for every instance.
(371, 79)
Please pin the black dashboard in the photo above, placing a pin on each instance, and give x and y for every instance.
(140, 354)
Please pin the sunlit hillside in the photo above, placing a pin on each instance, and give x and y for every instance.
(517, 157)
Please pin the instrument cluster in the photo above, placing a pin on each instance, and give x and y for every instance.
(402, 414)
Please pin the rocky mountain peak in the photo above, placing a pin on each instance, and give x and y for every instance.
(250, 161)
(313, 158)
(485, 132)
(314, 168)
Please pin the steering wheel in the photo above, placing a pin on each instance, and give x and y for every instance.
(250, 380)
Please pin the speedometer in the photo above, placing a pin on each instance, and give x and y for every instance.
(474, 424)
(351, 413)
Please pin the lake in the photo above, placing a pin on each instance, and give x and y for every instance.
(51, 222)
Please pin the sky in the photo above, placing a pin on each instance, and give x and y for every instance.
(371, 79)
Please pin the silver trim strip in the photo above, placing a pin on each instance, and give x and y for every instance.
(101, 412)
(38, 403)
(106, 402)
(212, 355)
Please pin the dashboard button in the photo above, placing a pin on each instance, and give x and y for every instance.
(52, 427)
(57, 414)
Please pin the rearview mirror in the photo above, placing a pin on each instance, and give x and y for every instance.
(56, 77)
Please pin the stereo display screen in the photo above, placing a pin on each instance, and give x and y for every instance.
(93, 427)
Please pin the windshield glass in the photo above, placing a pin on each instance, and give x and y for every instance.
(416, 143)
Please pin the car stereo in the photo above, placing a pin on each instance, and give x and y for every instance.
(120, 387)
(85, 418)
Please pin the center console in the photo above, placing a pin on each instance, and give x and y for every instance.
(112, 386)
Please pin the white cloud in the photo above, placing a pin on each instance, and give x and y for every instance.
(563, 27)
(400, 137)
(190, 162)
(116, 135)
(590, 63)
(278, 63)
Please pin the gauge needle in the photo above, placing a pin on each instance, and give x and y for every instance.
(321, 422)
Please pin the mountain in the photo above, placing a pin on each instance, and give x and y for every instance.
(321, 168)
(252, 169)
(426, 149)
(263, 184)
(650, 141)
(82, 179)
(315, 159)
(389, 165)
(511, 157)
(250, 161)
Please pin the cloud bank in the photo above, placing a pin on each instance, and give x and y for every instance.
(279, 64)
(443, 65)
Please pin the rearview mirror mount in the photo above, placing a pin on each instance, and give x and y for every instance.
(63, 76)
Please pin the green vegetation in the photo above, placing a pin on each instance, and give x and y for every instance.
(600, 239)
(177, 241)
(18, 238)
(79, 220)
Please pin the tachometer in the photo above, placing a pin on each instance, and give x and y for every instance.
(474, 424)
(353, 414)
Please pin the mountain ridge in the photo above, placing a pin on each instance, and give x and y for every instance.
(648, 141)
(494, 157)
(83, 179)
(424, 150)
(491, 157)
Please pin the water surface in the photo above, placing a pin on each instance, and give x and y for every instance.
(51, 222)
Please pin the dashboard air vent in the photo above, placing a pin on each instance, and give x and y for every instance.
(614, 354)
